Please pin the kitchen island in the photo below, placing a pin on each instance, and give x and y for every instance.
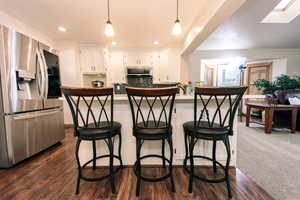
(183, 111)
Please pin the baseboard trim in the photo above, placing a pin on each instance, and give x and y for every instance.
(158, 166)
(68, 126)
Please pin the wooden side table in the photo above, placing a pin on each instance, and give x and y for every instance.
(269, 112)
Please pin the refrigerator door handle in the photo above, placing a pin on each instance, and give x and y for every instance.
(35, 115)
(46, 74)
(41, 80)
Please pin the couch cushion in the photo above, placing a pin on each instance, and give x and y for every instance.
(284, 95)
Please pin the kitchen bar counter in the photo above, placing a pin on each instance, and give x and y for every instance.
(123, 97)
(183, 111)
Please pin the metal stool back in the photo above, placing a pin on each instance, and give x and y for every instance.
(151, 108)
(151, 115)
(213, 121)
(222, 103)
(81, 102)
(92, 114)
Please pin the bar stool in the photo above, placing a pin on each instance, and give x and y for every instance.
(219, 106)
(151, 115)
(93, 121)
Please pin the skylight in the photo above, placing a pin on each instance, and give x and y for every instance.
(283, 5)
(285, 12)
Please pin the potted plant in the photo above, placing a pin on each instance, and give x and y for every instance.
(281, 83)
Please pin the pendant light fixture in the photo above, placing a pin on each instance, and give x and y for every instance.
(177, 26)
(109, 30)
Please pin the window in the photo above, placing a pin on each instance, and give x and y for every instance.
(283, 5)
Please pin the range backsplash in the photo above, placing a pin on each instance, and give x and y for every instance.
(119, 88)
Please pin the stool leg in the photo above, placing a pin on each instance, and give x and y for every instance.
(94, 155)
(171, 163)
(78, 165)
(138, 167)
(111, 165)
(186, 148)
(191, 150)
(120, 148)
(214, 156)
(163, 152)
(227, 144)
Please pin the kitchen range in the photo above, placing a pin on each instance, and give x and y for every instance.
(31, 113)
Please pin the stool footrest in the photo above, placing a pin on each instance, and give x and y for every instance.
(102, 177)
(151, 179)
(202, 178)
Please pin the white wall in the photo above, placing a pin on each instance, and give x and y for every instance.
(282, 57)
(26, 29)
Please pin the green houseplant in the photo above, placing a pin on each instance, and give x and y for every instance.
(283, 82)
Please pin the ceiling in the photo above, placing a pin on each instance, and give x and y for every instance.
(244, 31)
(137, 23)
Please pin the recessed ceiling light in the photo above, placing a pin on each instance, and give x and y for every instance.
(61, 29)
(114, 43)
(156, 43)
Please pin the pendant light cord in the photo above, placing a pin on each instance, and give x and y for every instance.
(108, 14)
(177, 11)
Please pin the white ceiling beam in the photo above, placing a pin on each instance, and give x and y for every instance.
(216, 13)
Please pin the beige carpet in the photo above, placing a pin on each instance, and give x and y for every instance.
(271, 160)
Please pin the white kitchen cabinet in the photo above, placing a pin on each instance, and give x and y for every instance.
(92, 60)
(166, 67)
(184, 113)
(155, 68)
(138, 59)
(115, 68)
(164, 70)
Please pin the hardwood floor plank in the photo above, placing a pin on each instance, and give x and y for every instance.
(53, 174)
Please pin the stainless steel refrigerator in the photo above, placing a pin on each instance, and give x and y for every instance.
(31, 113)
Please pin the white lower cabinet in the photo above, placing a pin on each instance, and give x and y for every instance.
(184, 113)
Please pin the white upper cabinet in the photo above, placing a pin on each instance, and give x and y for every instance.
(146, 60)
(138, 59)
(166, 67)
(155, 68)
(92, 60)
(115, 68)
(164, 70)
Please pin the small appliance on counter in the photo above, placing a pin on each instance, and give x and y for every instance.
(119, 88)
(97, 84)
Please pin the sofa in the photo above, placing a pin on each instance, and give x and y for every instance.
(283, 118)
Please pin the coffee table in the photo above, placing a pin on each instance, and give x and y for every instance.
(269, 112)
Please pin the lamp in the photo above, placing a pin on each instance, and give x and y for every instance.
(177, 26)
(109, 30)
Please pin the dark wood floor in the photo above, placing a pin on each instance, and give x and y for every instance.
(52, 175)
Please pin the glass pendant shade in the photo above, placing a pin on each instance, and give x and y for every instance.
(109, 30)
(177, 28)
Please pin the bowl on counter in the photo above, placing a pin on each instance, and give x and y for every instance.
(97, 84)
